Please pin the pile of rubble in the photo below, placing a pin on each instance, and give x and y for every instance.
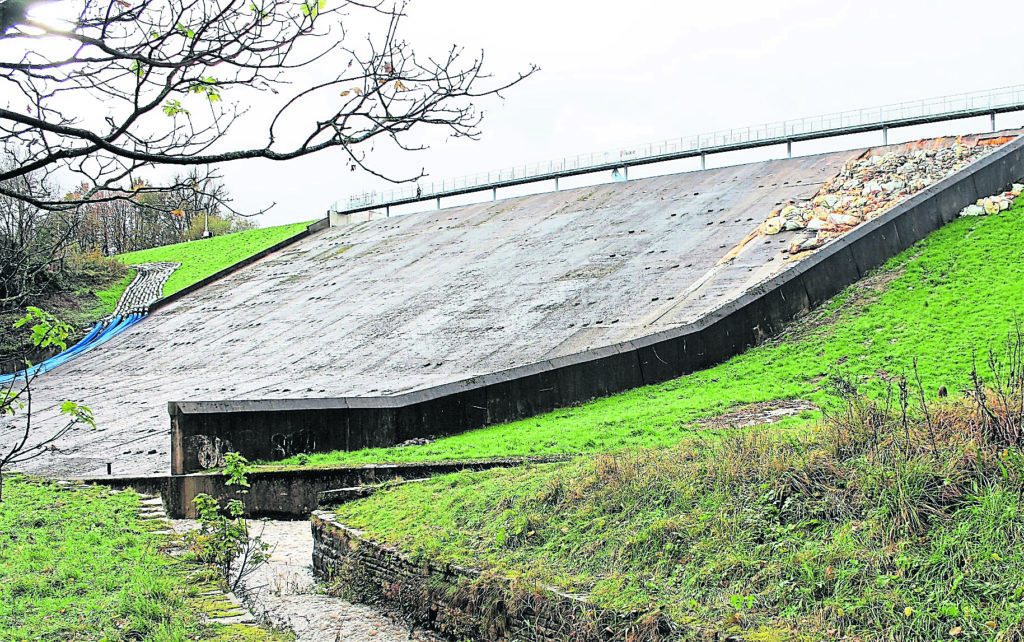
(994, 204)
(415, 441)
(865, 188)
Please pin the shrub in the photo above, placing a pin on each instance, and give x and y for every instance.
(223, 540)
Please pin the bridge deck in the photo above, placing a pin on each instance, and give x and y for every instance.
(905, 114)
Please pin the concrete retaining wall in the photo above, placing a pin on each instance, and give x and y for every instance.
(293, 493)
(271, 430)
(461, 602)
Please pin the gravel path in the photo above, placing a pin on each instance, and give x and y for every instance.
(285, 593)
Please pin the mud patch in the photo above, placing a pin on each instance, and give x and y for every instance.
(758, 414)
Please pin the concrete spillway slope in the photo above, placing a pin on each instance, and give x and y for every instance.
(400, 304)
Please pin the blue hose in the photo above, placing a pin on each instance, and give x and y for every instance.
(100, 334)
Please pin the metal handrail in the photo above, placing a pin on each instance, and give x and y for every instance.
(835, 124)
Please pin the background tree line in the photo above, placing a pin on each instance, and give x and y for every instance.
(152, 219)
(44, 252)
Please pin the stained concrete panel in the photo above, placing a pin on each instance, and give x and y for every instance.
(391, 306)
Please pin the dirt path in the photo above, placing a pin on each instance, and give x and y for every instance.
(285, 593)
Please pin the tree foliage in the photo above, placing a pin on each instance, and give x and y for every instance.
(46, 252)
(129, 84)
(141, 221)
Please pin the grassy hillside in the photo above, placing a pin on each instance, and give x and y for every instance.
(79, 303)
(897, 517)
(96, 287)
(200, 259)
(864, 529)
(956, 292)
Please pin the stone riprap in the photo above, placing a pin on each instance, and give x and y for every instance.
(397, 305)
(995, 203)
(145, 288)
(870, 185)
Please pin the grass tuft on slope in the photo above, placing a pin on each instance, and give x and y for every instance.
(77, 564)
(955, 292)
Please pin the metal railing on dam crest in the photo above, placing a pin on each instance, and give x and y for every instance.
(917, 112)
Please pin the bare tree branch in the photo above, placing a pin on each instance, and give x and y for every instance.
(174, 78)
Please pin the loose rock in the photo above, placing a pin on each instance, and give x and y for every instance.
(416, 441)
(868, 186)
(994, 204)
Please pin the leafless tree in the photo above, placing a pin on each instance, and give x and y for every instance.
(32, 241)
(170, 79)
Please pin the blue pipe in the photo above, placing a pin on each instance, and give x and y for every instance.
(100, 334)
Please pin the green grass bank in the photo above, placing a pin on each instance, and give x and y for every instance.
(200, 259)
(957, 291)
(897, 515)
(887, 522)
(78, 564)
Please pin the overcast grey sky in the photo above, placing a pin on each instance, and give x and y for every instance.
(617, 74)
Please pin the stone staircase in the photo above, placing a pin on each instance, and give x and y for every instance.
(221, 607)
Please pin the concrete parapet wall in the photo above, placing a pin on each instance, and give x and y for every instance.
(463, 603)
(203, 431)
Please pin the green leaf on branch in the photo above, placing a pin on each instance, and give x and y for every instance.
(311, 8)
(260, 13)
(47, 330)
(207, 86)
(78, 412)
(236, 467)
(173, 108)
